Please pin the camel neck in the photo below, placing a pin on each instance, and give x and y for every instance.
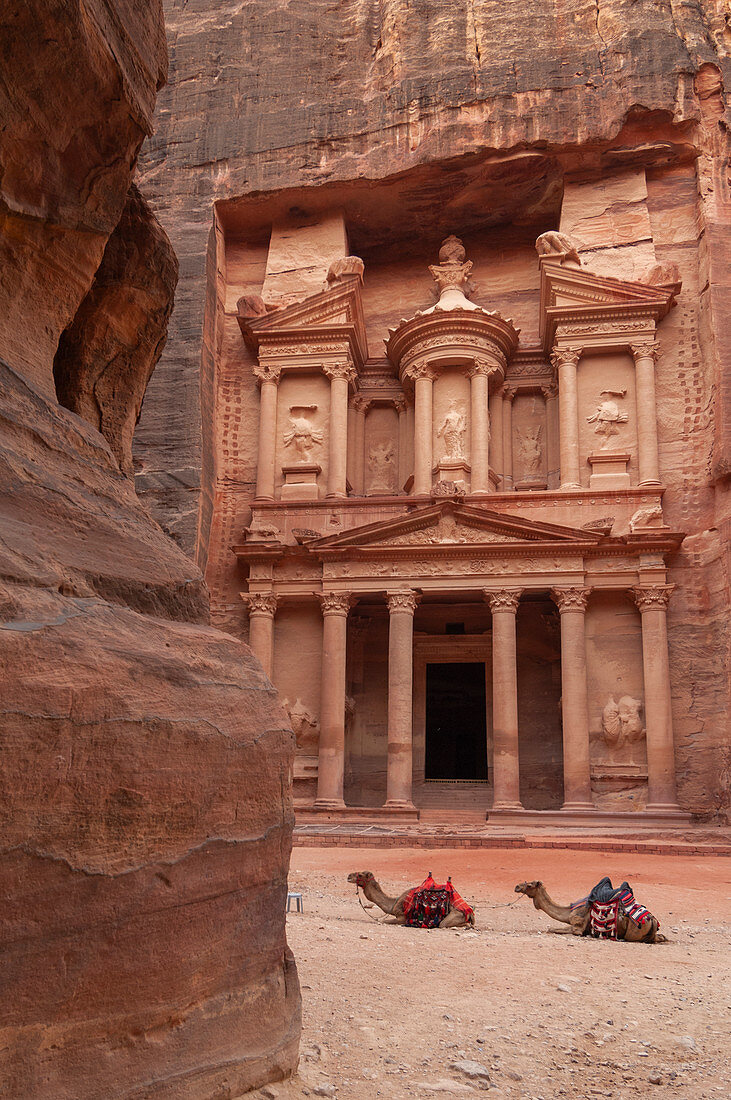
(375, 894)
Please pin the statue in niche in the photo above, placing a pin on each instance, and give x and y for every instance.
(452, 431)
(621, 721)
(607, 416)
(531, 450)
(302, 435)
(304, 725)
(382, 466)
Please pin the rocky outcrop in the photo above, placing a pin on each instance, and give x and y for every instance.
(145, 806)
(107, 354)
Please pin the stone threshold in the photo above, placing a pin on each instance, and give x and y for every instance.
(617, 819)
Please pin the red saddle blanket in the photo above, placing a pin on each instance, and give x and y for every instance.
(427, 905)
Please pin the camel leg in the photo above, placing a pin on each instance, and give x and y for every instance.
(455, 918)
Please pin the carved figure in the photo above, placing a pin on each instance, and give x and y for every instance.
(302, 435)
(452, 431)
(262, 531)
(647, 517)
(382, 466)
(621, 722)
(531, 451)
(304, 725)
(608, 415)
(558, 245)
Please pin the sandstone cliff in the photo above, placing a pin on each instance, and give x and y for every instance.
(146, 819)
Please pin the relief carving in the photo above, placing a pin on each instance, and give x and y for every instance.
(531, 450)
(382, 467)
(647, 518)
(607, 416)
(305, 726)
(453, 430)
(454, 269)
(621, 722)
(558, 245)
(302, 435)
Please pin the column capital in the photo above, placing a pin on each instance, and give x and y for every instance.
(335, 603)
(504, 599)
(402, 601)
(339, 370)
(483, 366)
(653, 598)
(645, 349)
(570, 599)
(561, 357)
(509, 393)
(550, 390)
(361, 403)
(400, 404)
(260, 603)
(416, 371)
(267, 372)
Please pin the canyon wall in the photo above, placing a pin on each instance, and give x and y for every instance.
(146, 819)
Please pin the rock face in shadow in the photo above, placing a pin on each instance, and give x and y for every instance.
(145, 805)
(107, 354)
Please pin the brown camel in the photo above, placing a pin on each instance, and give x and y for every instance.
(394, 907)
(578, 919)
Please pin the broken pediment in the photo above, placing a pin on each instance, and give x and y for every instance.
(451, 524)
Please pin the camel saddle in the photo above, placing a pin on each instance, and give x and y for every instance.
(606, 902)
(427, 905)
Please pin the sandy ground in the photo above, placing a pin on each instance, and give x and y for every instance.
(387, 1010)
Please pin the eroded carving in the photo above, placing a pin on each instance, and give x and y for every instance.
(621, 721)
(453, 269)
(557, 245)
(607, 416)
(645, 518)
(531, 449)
(265, 371)
(302, 435)
(381, 467)
(305, 726)
(452, 430)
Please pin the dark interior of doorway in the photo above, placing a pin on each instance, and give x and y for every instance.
(456, 734)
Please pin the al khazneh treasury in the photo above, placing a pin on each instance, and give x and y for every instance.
(453, 561)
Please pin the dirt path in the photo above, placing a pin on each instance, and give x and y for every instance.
(388, 1010)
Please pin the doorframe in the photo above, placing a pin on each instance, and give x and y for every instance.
(447, 649)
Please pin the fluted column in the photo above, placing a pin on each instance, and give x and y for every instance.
(360, 406)
(423, 429)
(566, 362)
(331, 754)
(506, 757)
(262, 608)
(574, 698)
(496, 435)
(508, 397)
(403, 446)
(645, 354)
(401, 607)
(550, 395)
(340, 375)
(479, 376)
(268, 378)
(653, 602)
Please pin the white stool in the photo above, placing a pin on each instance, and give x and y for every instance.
(299, 905)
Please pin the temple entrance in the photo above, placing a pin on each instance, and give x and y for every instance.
(456, 731)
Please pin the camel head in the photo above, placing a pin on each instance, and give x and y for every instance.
(361, 878)
(529, 888)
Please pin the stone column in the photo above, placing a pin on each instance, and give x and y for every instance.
(653, 602)
(401, 607)
(506, 759)
(566, 361)
(508, 396)
(340, 375)
(550, 395)
(331, 755)
(479, 376)
(403, 427)
(360, 405)
(574, 698)
(268, 378)
(496, 440)
(262, 608)
(423, 430)
(645, 354)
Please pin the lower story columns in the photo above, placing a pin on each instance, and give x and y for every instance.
(574, 698)
(401, 607)
(506, 760)
(262, 608)
(331, 755)
(652, 602)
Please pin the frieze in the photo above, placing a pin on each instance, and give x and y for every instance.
(305, 349)
(601, 326)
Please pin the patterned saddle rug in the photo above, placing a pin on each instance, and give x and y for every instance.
(606, 903)
(427, 905)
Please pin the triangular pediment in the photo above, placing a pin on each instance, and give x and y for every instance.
(337, 310)
(449, 523)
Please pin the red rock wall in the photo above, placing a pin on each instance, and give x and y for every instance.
(144, 800)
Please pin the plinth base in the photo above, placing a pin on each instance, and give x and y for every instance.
(343, 813)
(300, 481)
(609, 471)
(589, 818)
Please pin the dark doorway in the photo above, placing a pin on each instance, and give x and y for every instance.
(456, 735)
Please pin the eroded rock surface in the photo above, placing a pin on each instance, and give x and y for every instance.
(146, 816)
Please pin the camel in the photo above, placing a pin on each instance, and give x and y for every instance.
(394, 907)
(578, 918)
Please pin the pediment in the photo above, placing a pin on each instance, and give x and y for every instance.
(339, 307)
(450, 524)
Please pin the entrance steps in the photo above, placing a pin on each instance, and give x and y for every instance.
(452, 799)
